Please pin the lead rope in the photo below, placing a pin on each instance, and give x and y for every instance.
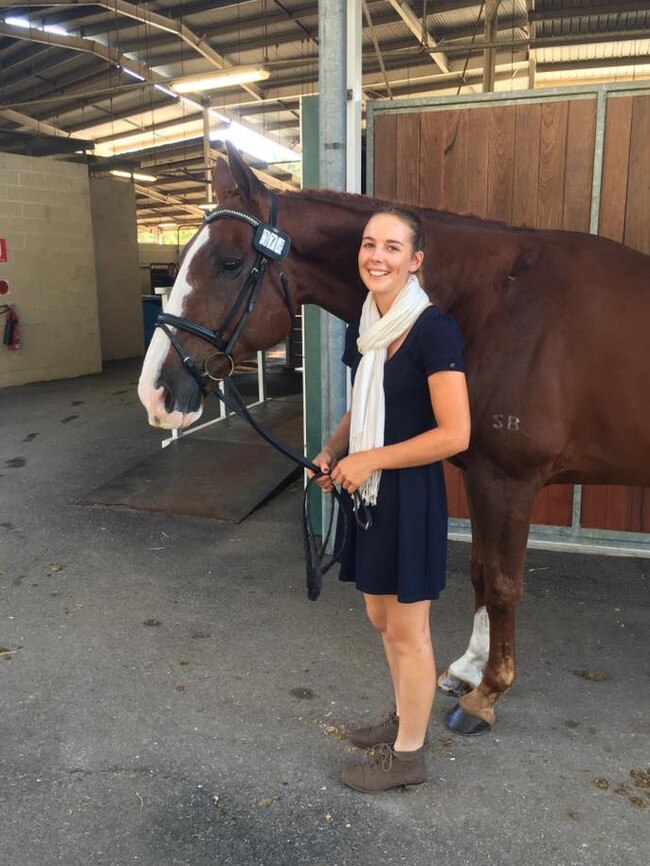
(315, 562)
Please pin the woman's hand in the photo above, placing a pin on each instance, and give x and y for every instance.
(352, 471)
(325, 461)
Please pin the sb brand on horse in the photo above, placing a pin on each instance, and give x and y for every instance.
(556, 333)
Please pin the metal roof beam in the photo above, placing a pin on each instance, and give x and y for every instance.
(550, 41)
(403, 9)
(596, 7)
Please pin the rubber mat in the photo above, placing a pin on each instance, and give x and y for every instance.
(223, 472)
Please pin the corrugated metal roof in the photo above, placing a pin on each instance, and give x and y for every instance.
(84, 94)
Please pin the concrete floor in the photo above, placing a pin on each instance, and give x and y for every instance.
(168, 695)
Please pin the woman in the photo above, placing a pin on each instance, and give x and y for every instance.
(409, 411)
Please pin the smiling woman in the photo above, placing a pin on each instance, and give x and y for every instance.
(409, 411)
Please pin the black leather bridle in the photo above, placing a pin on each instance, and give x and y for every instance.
(271, 245)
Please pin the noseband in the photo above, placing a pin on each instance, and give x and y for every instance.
(271, 245)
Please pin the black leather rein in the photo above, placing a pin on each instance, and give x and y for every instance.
(271, 245)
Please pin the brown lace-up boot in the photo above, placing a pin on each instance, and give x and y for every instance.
(383, 732)
(387, 769)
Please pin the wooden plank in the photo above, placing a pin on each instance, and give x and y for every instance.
(540, 508)
(431, 160)
(500, 162)
(637, 213)
(455, 161)
(384, 166)
(552, 161)
(616, 160)
(560, 504)
(593, 506)
(477, 161)
(528, 121)
(407, 185)
(578, 179)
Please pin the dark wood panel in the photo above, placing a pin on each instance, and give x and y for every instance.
(455, 160)
(526, 164)
(637, 215)
(500, 163)
(620, 509)
(431, 160)
(552, 160)
(477, 159)
(384, 178)
(407, 185)
(579, 165)
(456, 498)
(616, 161)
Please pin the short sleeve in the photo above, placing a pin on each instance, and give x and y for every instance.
(440, 343)
(350, 351)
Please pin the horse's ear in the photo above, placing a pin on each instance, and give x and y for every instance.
(223, 183)
(249, 186)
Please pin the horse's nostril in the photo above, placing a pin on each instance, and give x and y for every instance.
(169, 401)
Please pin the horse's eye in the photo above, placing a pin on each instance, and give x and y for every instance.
(231, 264)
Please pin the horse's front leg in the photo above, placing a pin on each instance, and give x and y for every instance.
(501, 510)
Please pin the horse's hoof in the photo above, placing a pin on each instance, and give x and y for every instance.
(451, 685)
(461, 722)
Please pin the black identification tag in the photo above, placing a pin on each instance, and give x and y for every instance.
(271, 242)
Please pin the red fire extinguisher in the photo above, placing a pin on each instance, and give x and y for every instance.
(11, 334)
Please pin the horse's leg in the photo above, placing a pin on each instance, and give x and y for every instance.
(501, 510)
(466, 672)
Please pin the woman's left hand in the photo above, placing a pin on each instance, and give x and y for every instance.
(352, 471)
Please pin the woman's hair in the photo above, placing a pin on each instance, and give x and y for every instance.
(411, 219)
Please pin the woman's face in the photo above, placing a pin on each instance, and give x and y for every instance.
(386, 258)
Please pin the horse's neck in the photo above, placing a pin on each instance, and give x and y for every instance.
(325, 236)
(326, 232)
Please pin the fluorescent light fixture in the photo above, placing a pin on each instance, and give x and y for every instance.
(24, 22)
(133, 175)
(132, 73)
(220, 78)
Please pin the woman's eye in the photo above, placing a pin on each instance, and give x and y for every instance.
(231, 264)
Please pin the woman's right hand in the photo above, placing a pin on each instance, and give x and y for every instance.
(325, 461)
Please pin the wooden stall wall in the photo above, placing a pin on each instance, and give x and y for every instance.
(624, 217)
(528, 164)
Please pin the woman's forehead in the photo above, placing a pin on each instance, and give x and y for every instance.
(386, 226)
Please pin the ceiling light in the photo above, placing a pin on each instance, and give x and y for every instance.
(220, 78)
(133, 175)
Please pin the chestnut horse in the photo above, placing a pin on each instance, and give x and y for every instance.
(556, 329)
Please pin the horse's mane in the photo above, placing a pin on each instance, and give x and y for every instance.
(346, 199)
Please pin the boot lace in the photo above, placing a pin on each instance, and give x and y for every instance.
(382, 757)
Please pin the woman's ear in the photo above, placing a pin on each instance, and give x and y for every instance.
(416, 263)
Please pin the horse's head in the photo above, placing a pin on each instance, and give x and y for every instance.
(217, 284)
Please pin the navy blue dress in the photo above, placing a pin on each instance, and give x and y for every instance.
(404, 553)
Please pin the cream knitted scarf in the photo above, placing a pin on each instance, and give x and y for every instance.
(376, 333)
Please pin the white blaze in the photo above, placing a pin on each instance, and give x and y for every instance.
(152, 398)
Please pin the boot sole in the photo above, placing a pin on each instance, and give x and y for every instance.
(390, 787)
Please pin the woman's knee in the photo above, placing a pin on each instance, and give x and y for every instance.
(376, 611)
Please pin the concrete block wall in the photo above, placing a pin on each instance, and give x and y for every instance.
(114, 220)
(45, 220)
